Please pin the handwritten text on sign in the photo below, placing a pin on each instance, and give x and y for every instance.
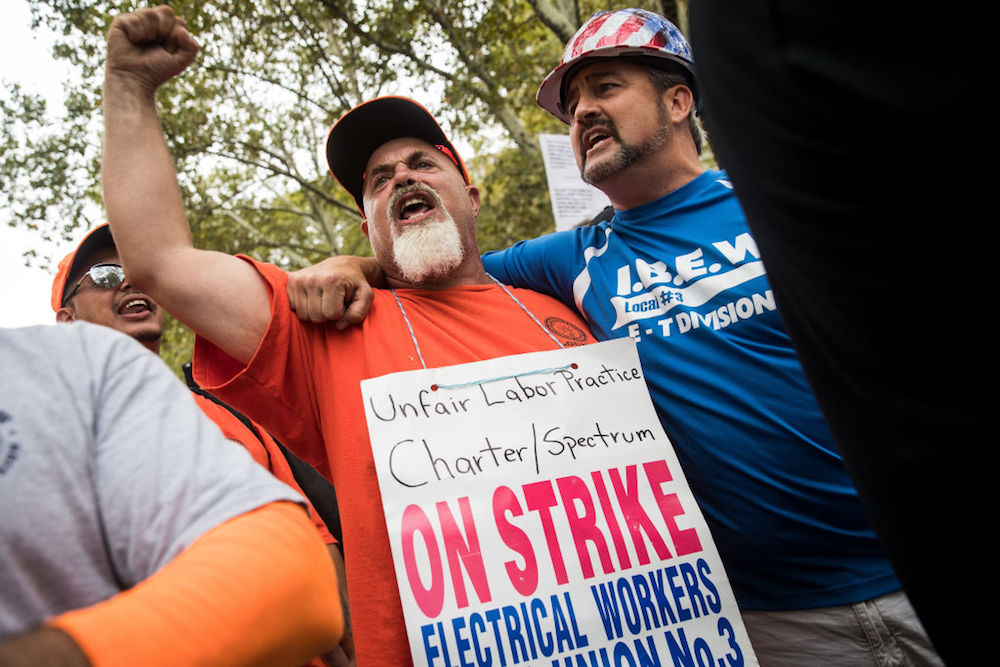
(538, 515)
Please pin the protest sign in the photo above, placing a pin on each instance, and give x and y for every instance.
(574, 201)
(538, 516)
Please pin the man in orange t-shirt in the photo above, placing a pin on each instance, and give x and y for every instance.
(304, 384)
(301, 380)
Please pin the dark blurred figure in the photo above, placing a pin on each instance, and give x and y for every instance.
(844, 133)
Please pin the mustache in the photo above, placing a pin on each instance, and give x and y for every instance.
(409, 189)
(603, 121)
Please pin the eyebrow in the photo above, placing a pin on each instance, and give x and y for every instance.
(580, 79)
(391, 166)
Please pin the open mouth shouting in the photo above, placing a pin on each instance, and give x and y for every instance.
(414, 204)
(136, 306)
(597, 135)
(594, 138)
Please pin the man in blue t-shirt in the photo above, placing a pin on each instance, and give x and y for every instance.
(677, 269)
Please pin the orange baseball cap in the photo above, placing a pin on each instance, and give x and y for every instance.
(72, 264)
(360, 131)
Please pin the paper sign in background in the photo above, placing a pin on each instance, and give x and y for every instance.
(537, 513)
(574, 201)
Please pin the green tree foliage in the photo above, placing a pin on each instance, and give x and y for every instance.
(247, 122)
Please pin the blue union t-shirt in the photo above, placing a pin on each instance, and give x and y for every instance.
(682, 275)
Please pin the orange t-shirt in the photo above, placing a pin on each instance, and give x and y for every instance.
(303, 384)
(264, 451)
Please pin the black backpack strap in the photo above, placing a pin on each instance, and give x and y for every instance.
(193, 386)
(316, 488)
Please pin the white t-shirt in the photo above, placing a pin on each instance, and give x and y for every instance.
(108, 469)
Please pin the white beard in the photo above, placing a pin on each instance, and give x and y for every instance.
(427, 250)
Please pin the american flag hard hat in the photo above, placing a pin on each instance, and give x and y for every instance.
(620, 33)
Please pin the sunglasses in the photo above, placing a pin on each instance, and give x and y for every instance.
(105, 276)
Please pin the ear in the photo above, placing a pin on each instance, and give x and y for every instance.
(679, 103)
(65, 314)
(364, 227)
(473, 193)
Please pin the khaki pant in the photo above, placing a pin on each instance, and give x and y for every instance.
(881, 632)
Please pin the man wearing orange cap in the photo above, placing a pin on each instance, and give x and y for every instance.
(300, 380)
(90, 286)
(677, 269)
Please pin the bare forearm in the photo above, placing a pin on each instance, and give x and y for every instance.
(218, 296)
(141, 193)
(152, 236)
(45, 646)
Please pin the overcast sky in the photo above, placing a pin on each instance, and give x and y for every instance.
(24, 58)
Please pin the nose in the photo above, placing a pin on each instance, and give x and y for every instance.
(586, 106)
(402, 174)
(401, 183)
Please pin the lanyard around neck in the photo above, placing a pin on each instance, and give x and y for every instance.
(413, 336)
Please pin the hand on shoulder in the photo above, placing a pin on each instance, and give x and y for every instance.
(337, 289)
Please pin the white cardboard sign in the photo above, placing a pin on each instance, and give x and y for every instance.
(574, 201)
(538, 516)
